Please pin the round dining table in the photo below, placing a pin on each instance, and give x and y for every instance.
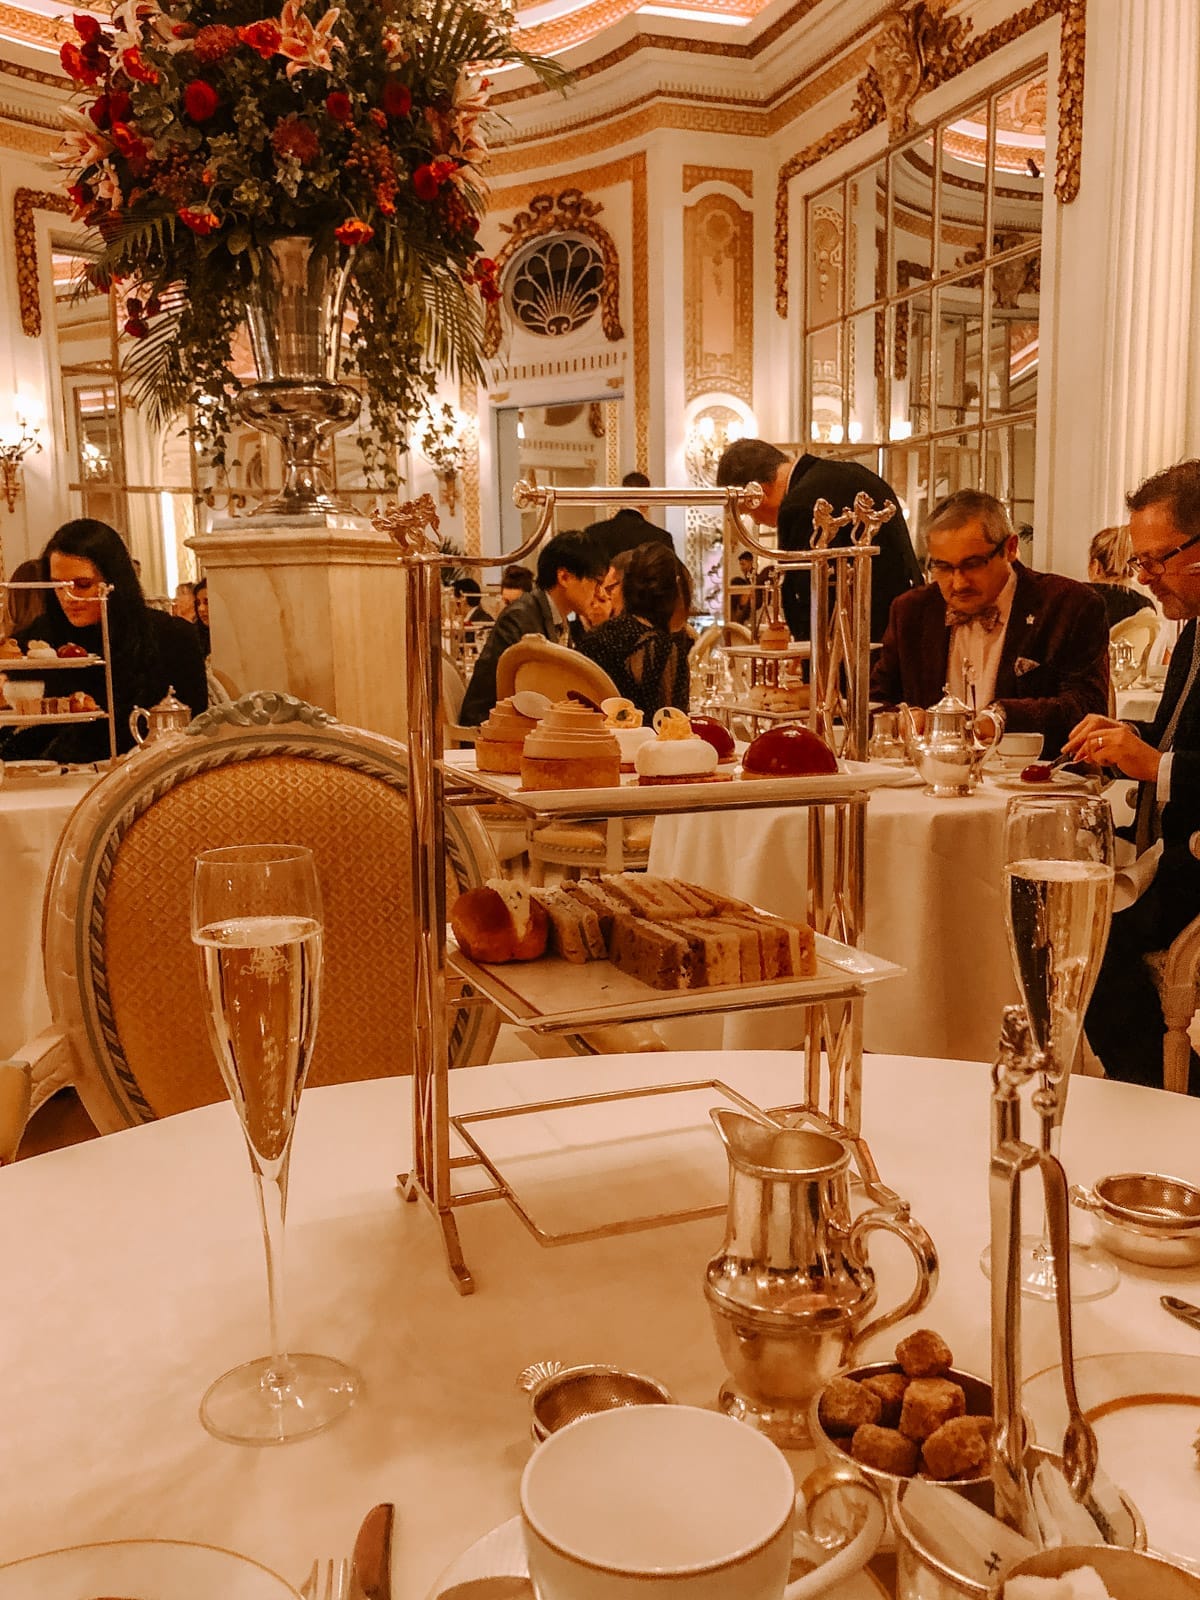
(132, 1274)
(32, 813)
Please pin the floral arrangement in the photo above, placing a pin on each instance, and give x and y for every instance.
(208, 129)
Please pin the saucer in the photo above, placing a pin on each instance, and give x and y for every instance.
(501, 1554)
(142, 1569)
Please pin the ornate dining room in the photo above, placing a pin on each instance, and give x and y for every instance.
(602, 588)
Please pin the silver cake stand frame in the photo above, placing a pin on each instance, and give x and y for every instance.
(839, 670)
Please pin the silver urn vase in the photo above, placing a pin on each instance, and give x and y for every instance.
(295, 293)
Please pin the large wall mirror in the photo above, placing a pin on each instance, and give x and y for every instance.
(923, 278)
(564, 444)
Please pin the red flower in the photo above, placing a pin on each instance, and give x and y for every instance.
(425, 183)
(337, 103)
(100, 111)
(200, 100)
(292, 137)
(119, 105)
(131, 146)
(136, 68)
(81, 198)
(397, 98)
(263, 37)
(200, 220)
(484, 275)
(136, 328)
(88, 28)
(85, 66)
(354, 232)
(215, 42)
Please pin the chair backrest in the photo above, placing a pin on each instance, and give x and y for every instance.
(454, 688)
(1140, 631)
(121, 972)
(550, 669)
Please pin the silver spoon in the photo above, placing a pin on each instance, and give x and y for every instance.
(1080, 1452)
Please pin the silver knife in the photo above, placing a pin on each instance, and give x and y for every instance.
(1183, 1309)
(371, 1565)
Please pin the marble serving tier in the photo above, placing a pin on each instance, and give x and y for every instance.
(631, 799)
(553, 995)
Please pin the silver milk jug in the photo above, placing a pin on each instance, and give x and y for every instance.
(790, 1291)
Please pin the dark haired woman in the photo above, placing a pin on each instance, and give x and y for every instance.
(21, 606)
(151, 652)
(201, 622)
(645, 650)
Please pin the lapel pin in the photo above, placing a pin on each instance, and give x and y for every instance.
(1029, 618)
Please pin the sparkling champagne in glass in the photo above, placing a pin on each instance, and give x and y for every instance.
(1059, 881)
(256, 919)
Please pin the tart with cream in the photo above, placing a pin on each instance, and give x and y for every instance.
(775, 636)
(625, 720)
(571, 748)
(502, 738)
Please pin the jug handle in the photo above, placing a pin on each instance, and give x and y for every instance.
(924, 1254)
(133, 724)
(839, 1560)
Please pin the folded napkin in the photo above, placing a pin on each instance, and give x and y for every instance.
(1063, 1520)
(968, 1539)
(1132, 880)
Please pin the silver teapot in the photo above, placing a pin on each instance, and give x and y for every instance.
(167, 719)
(949, 754)
(790, 1291)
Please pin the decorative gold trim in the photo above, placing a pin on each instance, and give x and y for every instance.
(948, 54)
(641, 314)
(737, 177)
(25, 203)
(31, 141)
(732, 260)
(568, 212)
(17, 23)
(468, 404)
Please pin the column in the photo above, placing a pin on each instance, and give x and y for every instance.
(1124, 326)
(316, 611)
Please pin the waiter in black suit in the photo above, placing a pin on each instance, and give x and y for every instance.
(1124, 1022)
(791, 490)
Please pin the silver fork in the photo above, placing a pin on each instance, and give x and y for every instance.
(327, 1580)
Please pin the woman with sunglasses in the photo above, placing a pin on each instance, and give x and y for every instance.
(151, 652)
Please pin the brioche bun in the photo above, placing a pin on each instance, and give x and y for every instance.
(499, 924)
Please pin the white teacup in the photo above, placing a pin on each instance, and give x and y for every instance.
(651, 1502)
(1023, 747)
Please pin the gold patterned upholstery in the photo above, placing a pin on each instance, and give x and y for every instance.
(353, 825)
(123, 976)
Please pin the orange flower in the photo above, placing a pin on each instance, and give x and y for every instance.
(136, 67)
(354, 232)
(303, 44)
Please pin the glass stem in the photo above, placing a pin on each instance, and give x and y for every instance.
(271, 1189)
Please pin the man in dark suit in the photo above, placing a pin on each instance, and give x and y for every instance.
(629, 528)
(994, 631)
(791, 490)
(1124, 1022)
(569, 569)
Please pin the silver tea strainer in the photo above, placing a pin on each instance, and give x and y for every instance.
(559, 1394)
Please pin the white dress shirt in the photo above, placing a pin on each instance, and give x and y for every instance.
(975, 654)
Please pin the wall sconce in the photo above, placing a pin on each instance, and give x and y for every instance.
(17, 440)
(709, 432)
(441, 443)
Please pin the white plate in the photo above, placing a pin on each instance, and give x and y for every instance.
(501, 1554)
(141, 1569)
(1146, 1413)
(37, 663)
(31, 769)
(1057, 780)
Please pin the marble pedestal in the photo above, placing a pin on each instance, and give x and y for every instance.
(315, 609)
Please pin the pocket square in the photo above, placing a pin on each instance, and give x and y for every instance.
(1023, 664)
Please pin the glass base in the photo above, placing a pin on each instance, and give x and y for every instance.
(1092, 1275)
(250, 1406)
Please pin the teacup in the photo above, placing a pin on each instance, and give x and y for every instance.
(651, 1502)
(1019, 749)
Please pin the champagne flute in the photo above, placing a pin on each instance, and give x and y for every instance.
(1059, 880)
(256, 918)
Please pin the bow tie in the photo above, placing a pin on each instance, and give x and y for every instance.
(988, 619)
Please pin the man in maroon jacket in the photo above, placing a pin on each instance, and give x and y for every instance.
(993, 631)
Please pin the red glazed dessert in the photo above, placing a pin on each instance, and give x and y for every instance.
(68, 652)
(1038, 773)
(716, 734)
(788, 752)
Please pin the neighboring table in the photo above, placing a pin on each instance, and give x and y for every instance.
(132, 1274)
(1138, 705)
(934, 904)
(32, 814)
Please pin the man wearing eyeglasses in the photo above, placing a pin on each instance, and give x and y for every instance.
(1124, 1022)
(995, 632)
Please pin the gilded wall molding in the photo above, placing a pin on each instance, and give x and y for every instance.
(718, 271)
(570, 211)
(30, 141)
(934, 54)
(736, 177)
(25, 203)
(468, 404)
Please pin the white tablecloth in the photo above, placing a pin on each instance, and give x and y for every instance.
(32, 814)
(132, 1275)
(1138, 705)
(934, 904)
